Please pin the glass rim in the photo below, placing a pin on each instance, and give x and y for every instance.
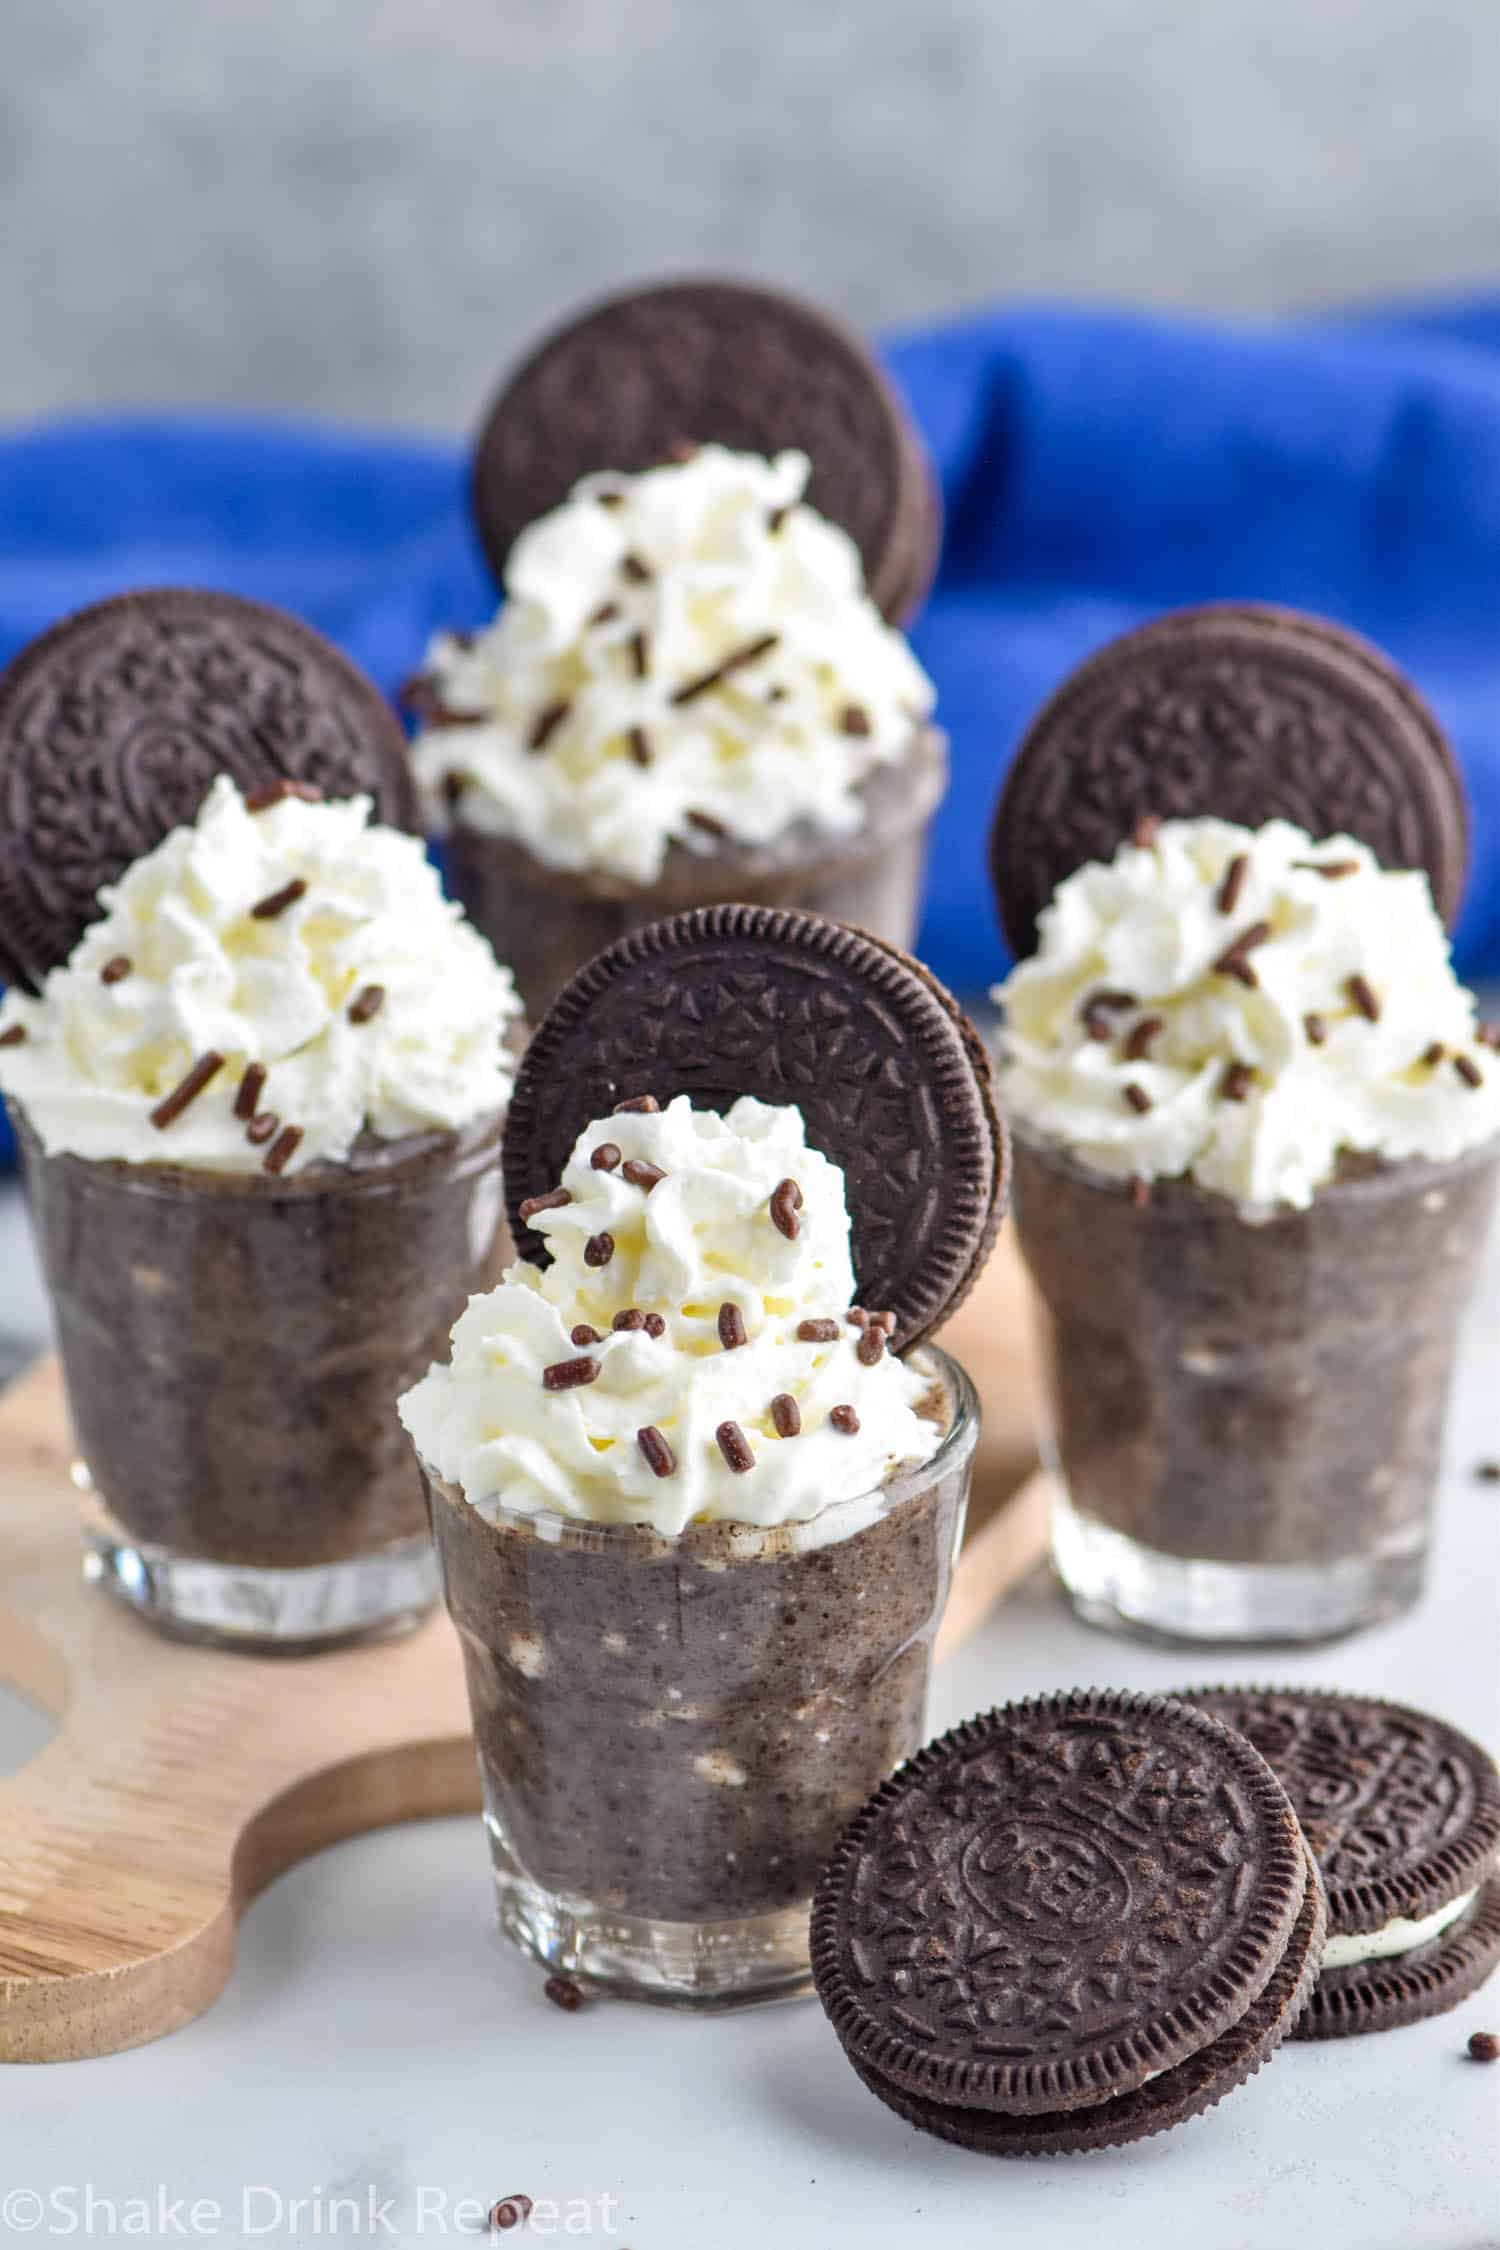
(954, 1450)
(480, 1139)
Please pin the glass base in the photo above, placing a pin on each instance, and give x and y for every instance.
(1114, 1581)
(234, 1605)
(702, 1965)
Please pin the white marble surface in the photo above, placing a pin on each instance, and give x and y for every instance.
(378, 2041)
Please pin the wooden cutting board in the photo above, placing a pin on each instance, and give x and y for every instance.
(181, 1780)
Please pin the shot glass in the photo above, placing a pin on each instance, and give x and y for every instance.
(674, 1731)
(232, 1348)
(1246, 1420)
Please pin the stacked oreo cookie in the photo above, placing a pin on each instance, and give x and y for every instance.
(1087, 1917)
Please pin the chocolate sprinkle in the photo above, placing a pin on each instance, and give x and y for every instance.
(885, 1320)
(640, 655)
(786, 1415)
(639, 573)
(1146, 830)
(605, 1157)
(168, 1110)
(640, 745)
(564, 1994)
(277, 792)
(583, 1334)
(510, 2211)
(116, 967)
(855, 719)
(553, 1200)
(262, 1125)
(1232, 961)
(734, 1447)
(629, 1317)
(660, 1459)
(710, 823)
(251, 1086)
(735, 661)
(1138, 1098)
(777, 517)
(642, 1105)
(871, 1345)
(1138, 1045)
(599, 1248)
(655, 1325)
(546, 723)
(786, 1202)
(277, 902)
(605, 614)
(610, 499)
(282, 1149)
(1468, 1070)
(14, 1035)
(1362, 993)
(640, 1174)
(1331, 869)
(1227, 896)
(1484, 2047)
(1434, 1054)
(1316, 1028)
(845, 1421)
(817, 1331)
(1098, 1006)
(569, 1374)
(367, 1002)
(1236, 1082)
(732, 1327)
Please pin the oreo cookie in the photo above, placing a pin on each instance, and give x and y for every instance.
(624, 383)
(1238, 710)
(115, 723)
(1403, 1815)
(891, 1079)
(1068, 1924)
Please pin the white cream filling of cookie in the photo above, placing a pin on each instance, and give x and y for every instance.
(1400, 1936)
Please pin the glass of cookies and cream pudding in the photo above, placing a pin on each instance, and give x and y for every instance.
(696, 688)
(696, 1501)
(259, 1106)
(1257, 1126)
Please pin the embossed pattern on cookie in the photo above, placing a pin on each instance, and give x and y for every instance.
(114, 723)
(1245, 712)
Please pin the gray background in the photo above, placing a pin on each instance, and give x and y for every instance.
(361, 207)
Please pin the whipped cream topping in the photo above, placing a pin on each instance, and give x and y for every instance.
(683, 655)
(1396, 1937)
(688, 1355)
(261, 988)
(1241, 1008)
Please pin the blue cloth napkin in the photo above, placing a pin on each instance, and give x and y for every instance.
(1097, 467)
